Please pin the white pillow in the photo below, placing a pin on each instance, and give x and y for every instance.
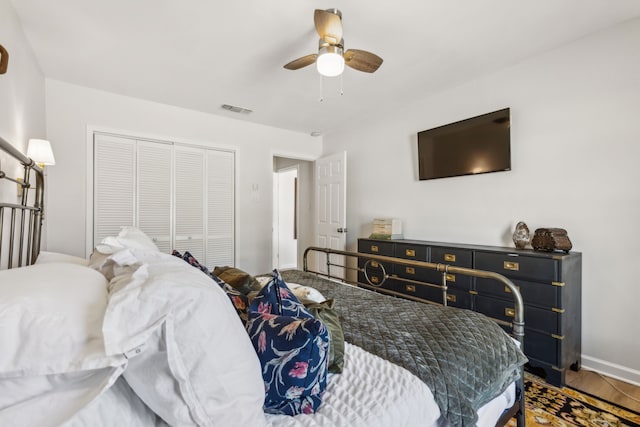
(306, 292)
(118, 406)
(52, 357)
(190, 359)
(51, 400)
(128, 238)
(300, 291)
(48, 257)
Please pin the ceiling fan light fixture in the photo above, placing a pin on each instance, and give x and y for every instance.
(330, 62)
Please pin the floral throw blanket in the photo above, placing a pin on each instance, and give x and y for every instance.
(465, 358)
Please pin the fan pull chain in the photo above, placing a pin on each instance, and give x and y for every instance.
(341, 86)
(321, 94)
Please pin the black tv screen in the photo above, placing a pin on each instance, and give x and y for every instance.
(477, 145)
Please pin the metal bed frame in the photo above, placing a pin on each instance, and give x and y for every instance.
(517, 326)
(21, 223)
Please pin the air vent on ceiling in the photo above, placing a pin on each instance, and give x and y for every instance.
(236, 109)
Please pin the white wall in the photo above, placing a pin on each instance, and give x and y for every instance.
(71, 110)
(22, 107)
(575, 149)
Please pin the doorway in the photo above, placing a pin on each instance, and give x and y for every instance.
(292, 211)
(285, 183)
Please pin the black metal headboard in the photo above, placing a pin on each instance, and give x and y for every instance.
(20, 216)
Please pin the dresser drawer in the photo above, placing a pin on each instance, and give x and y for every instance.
(542, 347)
(452, 256)
(420, 274)
(410, 251)
(375, 247)
(421, 291)
(376, 276)
(513, 265)
(533, 293)
(455, 281)
(543, 320)
(460, 299)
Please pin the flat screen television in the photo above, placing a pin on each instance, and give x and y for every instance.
(480, 144)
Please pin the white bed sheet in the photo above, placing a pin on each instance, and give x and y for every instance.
(370, 392)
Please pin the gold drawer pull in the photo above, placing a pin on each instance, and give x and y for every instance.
(374, 264)
(451, 298)
(450, 278)
(410, 270)
(410, 252)
(410, 288)
(513, 266)
(374, 248)
(508, 289)
(374, 279)
(450, 257)
(509, 312)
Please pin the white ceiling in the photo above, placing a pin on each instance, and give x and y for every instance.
(201, 54)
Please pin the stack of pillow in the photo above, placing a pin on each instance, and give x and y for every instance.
(162, 327)
(189, 358)
(52, 358)
(296, 345)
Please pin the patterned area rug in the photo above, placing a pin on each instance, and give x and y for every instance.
(550, 406)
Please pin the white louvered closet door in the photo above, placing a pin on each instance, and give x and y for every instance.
(154, 192)
(190, 201)
(114, 183)
(183, 197)
(220, 208)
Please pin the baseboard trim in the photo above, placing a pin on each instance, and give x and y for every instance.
(612, 370)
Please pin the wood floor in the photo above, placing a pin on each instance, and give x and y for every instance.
(609, 389)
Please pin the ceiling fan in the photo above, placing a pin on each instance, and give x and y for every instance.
(331, 57)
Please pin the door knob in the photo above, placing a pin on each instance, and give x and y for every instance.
(342, 230)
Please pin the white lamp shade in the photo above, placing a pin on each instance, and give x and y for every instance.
(330, 62)
(39, 150)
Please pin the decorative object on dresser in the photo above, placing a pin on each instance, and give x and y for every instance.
(551, 239)
(386, 229)
(521, 235)
(550, 284)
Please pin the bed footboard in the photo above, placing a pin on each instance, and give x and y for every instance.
(338, 264)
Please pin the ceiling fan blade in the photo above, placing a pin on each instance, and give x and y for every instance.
(328, 25)
(362, 60)
(296, 64)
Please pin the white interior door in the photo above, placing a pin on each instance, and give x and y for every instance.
(154, 192)
(189, 201)
(220, 173)
(331, 210)
(114, 185)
